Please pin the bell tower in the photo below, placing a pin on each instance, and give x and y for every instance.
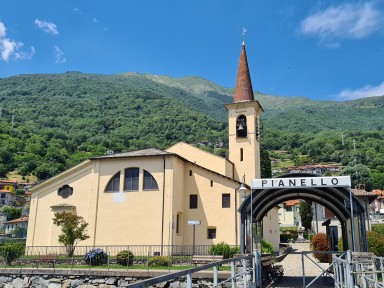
(244, 125)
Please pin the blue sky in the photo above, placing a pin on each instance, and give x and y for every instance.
(329, 50)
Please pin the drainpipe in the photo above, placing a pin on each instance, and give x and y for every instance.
(162, 209)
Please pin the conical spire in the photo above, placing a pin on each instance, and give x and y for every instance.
(243, 90)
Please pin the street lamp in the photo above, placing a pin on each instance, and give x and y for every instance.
(243, 188)
(194, 223)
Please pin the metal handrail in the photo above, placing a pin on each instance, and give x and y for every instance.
(188, 273)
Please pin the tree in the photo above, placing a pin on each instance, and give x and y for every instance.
(305, 214)
(12, 212)
(11, 251)
(20, 232)
(73, 230)
(360, 174)
(265, 161)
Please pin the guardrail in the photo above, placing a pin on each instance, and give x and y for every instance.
(359, 270)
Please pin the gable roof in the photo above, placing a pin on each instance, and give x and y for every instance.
(137, 153)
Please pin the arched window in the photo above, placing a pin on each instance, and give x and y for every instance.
(131, 179)
(241, 126)
(114, 183)
(149, 182)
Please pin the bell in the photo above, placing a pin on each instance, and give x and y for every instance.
(241, 127)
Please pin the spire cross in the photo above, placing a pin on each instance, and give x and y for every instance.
(244, 30)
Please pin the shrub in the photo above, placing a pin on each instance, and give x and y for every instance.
(320, 243)
(266, 247)
(375, 243)
(125, 258)
(11, 251)
(379, 228)
(96, 257)
(160, 261)
(224, 249)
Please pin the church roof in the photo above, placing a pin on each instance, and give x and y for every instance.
(243, 90)
(137, 153)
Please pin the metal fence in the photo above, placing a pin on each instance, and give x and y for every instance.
(137, 250)
(57, 256)
(359, 270)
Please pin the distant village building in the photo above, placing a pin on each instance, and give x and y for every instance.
(320, 169)
(148, 197)
(12, 226)
(6, 189)
(289, 213)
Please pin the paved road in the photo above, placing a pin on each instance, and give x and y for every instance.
(293, 274)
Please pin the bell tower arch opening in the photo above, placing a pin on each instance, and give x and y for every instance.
(327, 191)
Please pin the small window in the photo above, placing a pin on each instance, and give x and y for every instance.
(149, 182)
(288, 209)
(226, 200)
(65, 191)
(131, 179)
(211, 233)
(211, 183)
(193, 201)
(177, 223)
(241, 154)
(190, 172)
(114, 183)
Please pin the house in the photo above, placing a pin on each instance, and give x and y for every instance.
(12, 226)
(149, 197)
(6, 189)
(377, 206)
(289, 215)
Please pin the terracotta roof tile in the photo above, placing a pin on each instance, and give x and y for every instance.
(18, 220)
(291, 202)
(243, 90)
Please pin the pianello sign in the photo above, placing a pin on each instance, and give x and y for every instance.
(301, 182)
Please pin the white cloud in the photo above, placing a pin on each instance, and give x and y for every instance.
(59, 55)
(357, 20)
(77, 11)
(25, 55)
(46, 26)
(12, 49)
(366, 91)
(2, 30)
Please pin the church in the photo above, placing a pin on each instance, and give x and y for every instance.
(150, 197)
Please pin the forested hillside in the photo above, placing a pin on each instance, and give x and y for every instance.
(72, 116)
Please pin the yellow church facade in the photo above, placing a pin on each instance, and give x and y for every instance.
(147, 197)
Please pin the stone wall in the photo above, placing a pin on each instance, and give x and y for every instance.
(57, 281)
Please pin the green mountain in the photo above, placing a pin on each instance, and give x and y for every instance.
(72, 116)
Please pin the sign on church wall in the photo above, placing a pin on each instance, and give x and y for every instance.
(301, 182)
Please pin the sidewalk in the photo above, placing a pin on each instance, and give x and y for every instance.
(293, 272)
